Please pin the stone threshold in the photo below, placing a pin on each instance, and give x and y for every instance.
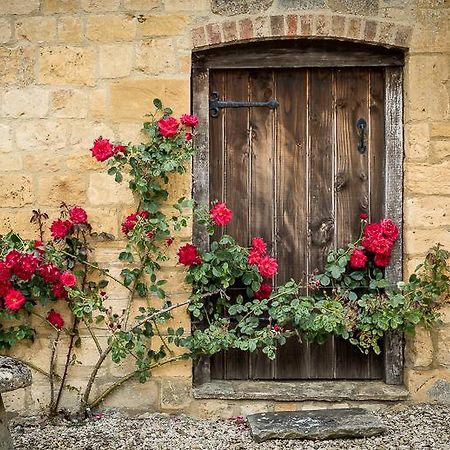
(299, 391)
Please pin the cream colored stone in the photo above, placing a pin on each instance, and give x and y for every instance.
(59, 6)
(440, 130)
(84, 133)
(69, 103)
(19, 6)
(70, 29)
(115, 60)
(54, 189)
(17, 220)
(82, 161)
(111, 28)
(67, 65)
(36, 29)
(419, 349)
(188, 6)
(429, 211)
(103, 220)
(443, 344)
(431, 30)
(5, 138)
(417, 138)
(419, 241)
(28, 102)
(162, 26)
(100, 5)
(103, 190)
(10, 162)
(131, 132)
(420, 382)
(440, 150)
(131, 99)
(176, 393)
(41, 135)
(15, 191)
(5, 30)
(141, 5)
(98, 103)
(157, 56)
(17, 65)
(428, 74)
(427, 179)
(44, 161)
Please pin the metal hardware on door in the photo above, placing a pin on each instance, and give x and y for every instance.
(361, 125)
(215, 104)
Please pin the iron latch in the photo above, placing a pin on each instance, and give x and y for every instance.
(215, 104)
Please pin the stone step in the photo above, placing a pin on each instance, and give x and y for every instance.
(315, 424)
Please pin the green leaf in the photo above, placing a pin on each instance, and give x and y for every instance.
(157, 102)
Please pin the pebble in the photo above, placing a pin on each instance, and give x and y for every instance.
(418, 427)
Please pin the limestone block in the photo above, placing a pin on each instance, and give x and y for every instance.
(162, 26)
(357, 7)
(15, 191)
(302, 4)
(69, 103)
(84, 133)
(443, 346)
(428, 385)
(41, 135)
(131, 99)
(109, 28)
(431, 30)
(59, 6)
(419, 241)
(182, 368)
(28, 102)
(417, 141)
(53, 189)
(70, 29)
(103, 220)
(440, 130)
(17, 65)
(131, 132)
(45, 161)
(10, 162)
(115, 60)
(157, 56)
(427, 86)
(5, 138)
(419, 350)
(67, 65)
(103, 190)
(141, 5)
(176, 393)
(98, 103)
(82, 161)
(36, 29)
(19, 6)
(5, 30)
(429, 211)
(17, 220)
(100, 5)
(427, 179)
(445, 314)
(440, 150)
(190, 6)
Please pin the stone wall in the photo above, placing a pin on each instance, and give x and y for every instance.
(71, 70)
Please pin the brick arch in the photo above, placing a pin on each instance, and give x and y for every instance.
(325, 26)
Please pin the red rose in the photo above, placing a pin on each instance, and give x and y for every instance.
(389, 229)
(130, 222)
(220, 214)
(363, 216)
(78, 215)
(188, 255)
(188, 137)
(372, 230)
(382, 260)
(382, 246)
(60, 228)
(50, 273)
(189, 121)
(119, 149)
(12, 259)
(264, 291)
(258, 245)
(5, 287)
(14, 300)
(55, 319)
(68, 279)
(267, 266)
(169, 241)
(102, 149)
(168, 127)
(358, 259)
(276, 328)
(59, 291)
(27, 266)
(5, 272)
(254, 257)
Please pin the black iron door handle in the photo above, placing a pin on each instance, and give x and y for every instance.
(361, 125)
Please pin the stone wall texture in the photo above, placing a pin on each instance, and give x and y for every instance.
(71, 70)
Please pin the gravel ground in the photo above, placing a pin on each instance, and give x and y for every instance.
(416, 427)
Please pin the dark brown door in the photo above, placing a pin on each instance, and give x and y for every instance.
(294, 175)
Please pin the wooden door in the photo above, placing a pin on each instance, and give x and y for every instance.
(294, 175)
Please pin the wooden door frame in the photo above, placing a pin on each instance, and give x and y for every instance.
(307, 54)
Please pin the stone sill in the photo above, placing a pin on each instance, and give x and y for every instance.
(299, 391)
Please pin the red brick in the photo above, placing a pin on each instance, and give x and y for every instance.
(199, 37)
(277, 25)
(213, 33)
(338, 26)
(306, 25)
(370, 30)
(230, 31)
(291, 22)
(246, 28)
